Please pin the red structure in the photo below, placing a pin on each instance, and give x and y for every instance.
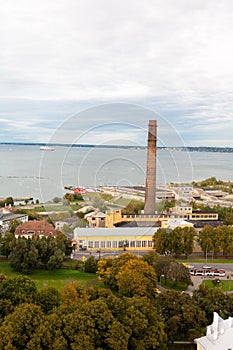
(149, 207)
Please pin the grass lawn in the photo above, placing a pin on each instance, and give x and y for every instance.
(57, 279)
(209, 262)
(225, 285)
(179, 286)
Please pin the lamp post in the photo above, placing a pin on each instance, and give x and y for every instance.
(160, 279)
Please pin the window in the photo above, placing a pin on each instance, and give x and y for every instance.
(108, 244)
(138, 244)
(90, 244)
(114, 244)
(150, 244)
(144, 244)
(97, 245)
(102, 243)
(132, 244)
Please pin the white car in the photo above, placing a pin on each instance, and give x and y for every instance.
(206, 267)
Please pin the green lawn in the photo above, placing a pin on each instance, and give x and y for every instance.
(209, 261)
(225, 285)
(57, 279)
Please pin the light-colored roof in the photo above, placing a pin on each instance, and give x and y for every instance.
(219, 335)
(116, 231)
(95, 214)
(85, 209)
(173, 223)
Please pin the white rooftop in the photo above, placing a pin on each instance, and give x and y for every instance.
(173, 223)
(116, 231)
(219, 335)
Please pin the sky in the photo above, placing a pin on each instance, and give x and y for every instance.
(87, 71)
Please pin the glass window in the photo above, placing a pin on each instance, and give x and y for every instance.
(108, 244)
(97, 245)
(138, 244)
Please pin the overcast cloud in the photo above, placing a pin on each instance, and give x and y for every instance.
(172, 57)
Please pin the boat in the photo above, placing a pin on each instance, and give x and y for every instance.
(47, 148)
(77, 190)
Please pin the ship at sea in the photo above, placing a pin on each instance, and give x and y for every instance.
(47, 148)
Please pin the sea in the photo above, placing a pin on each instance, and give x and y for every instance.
(28, 172)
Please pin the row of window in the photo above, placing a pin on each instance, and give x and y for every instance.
(119, 244)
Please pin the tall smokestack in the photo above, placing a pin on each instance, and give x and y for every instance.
(149, 207)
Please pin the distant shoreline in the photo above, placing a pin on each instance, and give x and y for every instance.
(171, 148)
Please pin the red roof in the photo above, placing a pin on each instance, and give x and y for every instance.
(36, 227)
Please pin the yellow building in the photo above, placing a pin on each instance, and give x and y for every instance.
(115, 238)
(114, 217)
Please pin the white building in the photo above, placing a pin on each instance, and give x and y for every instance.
(6, 218)
(219, 335)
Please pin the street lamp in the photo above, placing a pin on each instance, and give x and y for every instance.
(160, 279)
(206, 253)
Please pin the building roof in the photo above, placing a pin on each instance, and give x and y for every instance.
(39, 227)
(136, 224)
(202, 223)
(120, 231)
(10, 216)
(173, 223)
(219, 335)
(95, 214)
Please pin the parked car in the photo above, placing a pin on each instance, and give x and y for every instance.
(206, 267)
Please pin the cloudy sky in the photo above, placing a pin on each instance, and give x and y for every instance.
(93, 69)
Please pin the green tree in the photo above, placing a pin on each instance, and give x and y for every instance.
(49, 334)
(73, 294)
(133, 208)
(20, 289)
(93, 326)
(91, 264)
(108, 268)
(162, 267)
(56, 260)
(162, 241)
(204, 239)
(24, 255)
(225, 236)
(178, 273)
(136, 277)
(9, 201)
(151, 257)
(18, 328)
(56, 200)
(188, 234)
(5, 246)
(48, 299)
(211, 300)
(183, 319)
(140, 320)
(12, 226)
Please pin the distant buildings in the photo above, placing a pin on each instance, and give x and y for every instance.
(6, 217)
(95, 219)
